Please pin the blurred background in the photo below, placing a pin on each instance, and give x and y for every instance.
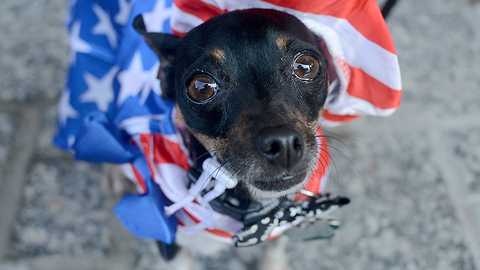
(413, 178)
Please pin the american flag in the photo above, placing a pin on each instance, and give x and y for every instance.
(111, 109)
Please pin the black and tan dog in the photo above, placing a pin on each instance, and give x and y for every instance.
(250, 85)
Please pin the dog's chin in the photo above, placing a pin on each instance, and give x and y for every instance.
(260, 190)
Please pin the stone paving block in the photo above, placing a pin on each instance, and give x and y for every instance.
(7, 128)
(467, 149)
(48, 129)
(14, 266)
(464, 144)
(33, 49)
(438, 46)
(64, 212)
(14, 172)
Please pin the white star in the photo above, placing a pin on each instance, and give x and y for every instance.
(151, 83)
(100, 91)
(104, 26)
(65, 109)
(135, 80)
(131, 79)
(76, 43)
(154, 19)
(123, 14)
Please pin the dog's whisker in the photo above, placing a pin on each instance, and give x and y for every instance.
(344, 156)
(328, 137)
(326, 162)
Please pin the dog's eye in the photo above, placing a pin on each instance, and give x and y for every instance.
(202, 88)
(306, 67)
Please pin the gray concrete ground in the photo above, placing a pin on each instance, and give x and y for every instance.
(414, 178)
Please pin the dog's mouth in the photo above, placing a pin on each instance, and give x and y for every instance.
(284, 183)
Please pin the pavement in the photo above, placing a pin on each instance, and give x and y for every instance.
(413, 178)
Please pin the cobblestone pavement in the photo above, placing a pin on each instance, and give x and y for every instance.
(414, 178)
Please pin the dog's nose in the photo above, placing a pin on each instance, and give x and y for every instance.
(281, 145)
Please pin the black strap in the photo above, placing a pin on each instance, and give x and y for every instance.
(387, 7)
(168, 251)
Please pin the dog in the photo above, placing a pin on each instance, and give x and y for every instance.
(250, 86)
(233, 149)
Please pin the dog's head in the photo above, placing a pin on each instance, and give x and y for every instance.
(250, 85)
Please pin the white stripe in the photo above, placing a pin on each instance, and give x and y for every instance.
(139, 124)
(324, 123)
(239, 4)
(217, 3)
(349, 105)
(172, 180)
(183, 22)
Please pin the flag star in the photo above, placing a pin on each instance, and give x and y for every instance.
(135, 80)
(151, 83)
(154, 19)
(100, 91)
(104, 26)
(65, 109)
(132, 79)
(76, 43)
(123, 14)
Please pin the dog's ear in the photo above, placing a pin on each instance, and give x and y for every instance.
(164, 46)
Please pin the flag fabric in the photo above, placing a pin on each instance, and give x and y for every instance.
(111, 109)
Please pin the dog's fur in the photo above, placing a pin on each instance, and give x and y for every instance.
(250, 85)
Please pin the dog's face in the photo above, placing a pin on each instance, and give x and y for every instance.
(250, 85)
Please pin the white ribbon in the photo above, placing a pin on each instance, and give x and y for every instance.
(213, 173)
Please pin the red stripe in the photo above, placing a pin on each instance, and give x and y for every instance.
(140, 179)
(365, 87)
(166, 151)
(220, 233)
(338, 118)
(368, 20)
(335, 8)
(177, 33)
(145, 140)
(363, 15)
(198, 8)
(323, 162)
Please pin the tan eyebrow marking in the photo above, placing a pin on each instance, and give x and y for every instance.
(218, 54)
(282, 43)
